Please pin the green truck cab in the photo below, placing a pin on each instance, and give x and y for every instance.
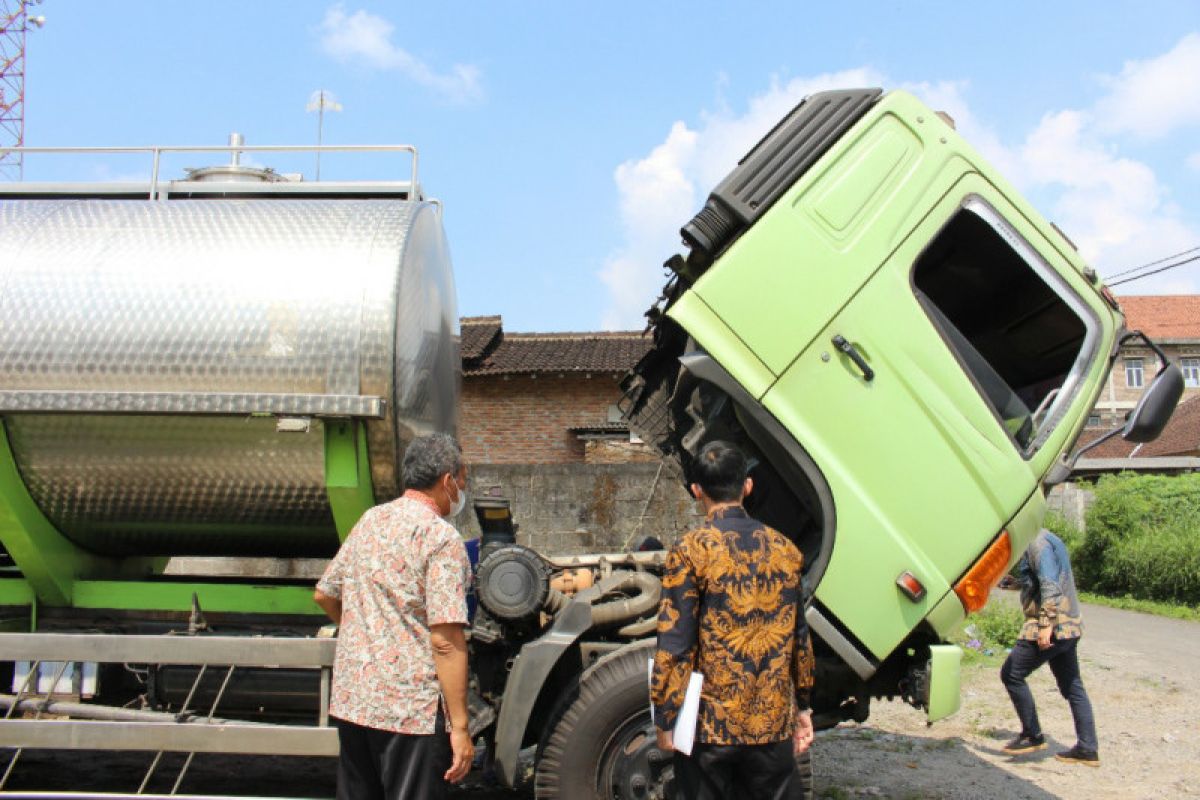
(908, 350)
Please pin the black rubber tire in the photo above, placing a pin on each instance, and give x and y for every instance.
(804, 766)
(610, 695)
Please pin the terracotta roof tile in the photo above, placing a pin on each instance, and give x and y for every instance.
(1160, 316)
(488, 350)
(478, 334)
(1181, 437)
(587, 352)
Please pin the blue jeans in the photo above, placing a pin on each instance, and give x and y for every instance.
(1064, 663)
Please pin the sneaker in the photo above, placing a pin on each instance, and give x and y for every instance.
(1025, 744)
(1077, 755)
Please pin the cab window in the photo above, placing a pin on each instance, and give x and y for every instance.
(1017, 329)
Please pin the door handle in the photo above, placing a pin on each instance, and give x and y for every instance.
(844, 346)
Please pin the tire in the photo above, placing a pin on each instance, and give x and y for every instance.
(602, 745)
(804, 769)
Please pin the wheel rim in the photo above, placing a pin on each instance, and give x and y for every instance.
(632, 767)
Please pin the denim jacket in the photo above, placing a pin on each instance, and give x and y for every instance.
(1048, 594)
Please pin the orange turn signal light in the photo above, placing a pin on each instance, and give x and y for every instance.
(984, 574)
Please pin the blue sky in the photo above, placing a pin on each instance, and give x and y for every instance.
(569, 141)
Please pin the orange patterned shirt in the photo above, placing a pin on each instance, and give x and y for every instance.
(732, 609)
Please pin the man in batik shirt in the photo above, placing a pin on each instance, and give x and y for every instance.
(1050, 634)
(732, 609)
(397, 590)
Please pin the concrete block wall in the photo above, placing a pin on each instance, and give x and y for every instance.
(570, 509)
(1072, 500)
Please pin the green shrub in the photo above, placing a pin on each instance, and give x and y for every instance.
(998, 624)
(1142, 539)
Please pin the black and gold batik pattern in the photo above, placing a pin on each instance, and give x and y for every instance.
(732, 610)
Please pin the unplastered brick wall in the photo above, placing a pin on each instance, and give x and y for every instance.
(526, 419)
(569, 509)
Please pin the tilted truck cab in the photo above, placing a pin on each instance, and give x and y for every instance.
(907, 349)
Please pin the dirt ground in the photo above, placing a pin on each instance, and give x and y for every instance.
(1143, 676)
(1142, 672)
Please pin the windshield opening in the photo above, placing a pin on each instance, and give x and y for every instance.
(1023, 339)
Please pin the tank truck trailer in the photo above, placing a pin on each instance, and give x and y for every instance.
(204, 383)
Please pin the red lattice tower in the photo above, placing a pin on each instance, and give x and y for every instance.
(14, 24)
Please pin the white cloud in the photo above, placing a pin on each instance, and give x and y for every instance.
(1115, 207)
(661, 192)
(1154, 97)
(367, 39)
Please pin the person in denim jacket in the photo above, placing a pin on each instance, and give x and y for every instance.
(1051, 633)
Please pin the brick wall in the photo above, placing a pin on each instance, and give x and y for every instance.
(568, 509)
(525, 419)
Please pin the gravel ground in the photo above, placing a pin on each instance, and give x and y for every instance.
(1141, 672)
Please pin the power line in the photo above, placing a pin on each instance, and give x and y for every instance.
(1152, 263)
(1156, 271)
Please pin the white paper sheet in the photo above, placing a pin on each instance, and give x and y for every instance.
(689, 715)
(684, 734)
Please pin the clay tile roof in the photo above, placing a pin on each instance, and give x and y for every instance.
(478, 334)
(488, 350)
(1181, 437)
(1163, 316)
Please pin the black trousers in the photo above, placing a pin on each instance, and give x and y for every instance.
(382, 765)
(745, 772)
(1063, 658)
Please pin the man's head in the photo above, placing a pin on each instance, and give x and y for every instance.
(433, 465)
(719, 475)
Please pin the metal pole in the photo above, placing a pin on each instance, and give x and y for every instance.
(211, 712)
(53, 685)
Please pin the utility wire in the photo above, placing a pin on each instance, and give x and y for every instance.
(1156, 271)
(1152, 263)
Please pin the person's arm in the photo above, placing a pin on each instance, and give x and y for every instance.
(446, 577)
(328, 594)
(803, 665)
(332, 606)
(678, 635)
(450, 659)
(1049, 576)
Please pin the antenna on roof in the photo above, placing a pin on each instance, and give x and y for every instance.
(319, 101)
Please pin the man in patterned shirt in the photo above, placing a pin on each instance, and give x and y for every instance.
(397, 590)
(1050, 634)
(732, 609)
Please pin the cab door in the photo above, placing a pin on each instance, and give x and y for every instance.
(924, 423)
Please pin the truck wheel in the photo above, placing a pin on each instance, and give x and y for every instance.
(602, 745)
(804, 768)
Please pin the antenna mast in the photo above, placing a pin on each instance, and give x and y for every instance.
(14, 24)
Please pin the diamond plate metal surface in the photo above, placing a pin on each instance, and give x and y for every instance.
(339, 297)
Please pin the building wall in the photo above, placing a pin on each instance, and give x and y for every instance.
(569, 509)
(1119, 397)
(526, 419)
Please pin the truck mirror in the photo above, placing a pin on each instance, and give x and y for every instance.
(1154, 408)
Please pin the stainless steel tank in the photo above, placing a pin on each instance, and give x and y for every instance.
(148, 349)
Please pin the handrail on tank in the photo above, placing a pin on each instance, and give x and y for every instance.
(157, 151)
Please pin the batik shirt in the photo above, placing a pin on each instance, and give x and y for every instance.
(732, 609)
(1048, 594)
(402, 569)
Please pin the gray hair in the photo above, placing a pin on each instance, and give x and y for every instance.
(428, 458)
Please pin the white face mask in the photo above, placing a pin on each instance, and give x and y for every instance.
(456, 506)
